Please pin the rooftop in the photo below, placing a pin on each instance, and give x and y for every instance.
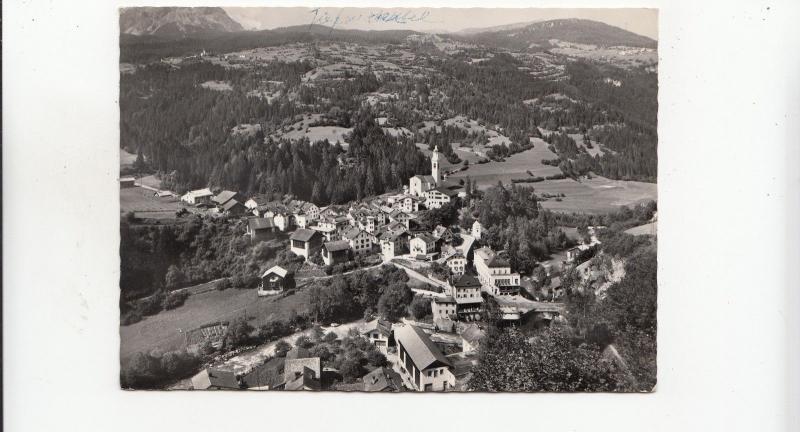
(419, 347)
(303, 234)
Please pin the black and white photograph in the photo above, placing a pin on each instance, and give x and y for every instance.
(381, 200)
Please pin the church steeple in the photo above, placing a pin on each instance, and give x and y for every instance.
(435, 165)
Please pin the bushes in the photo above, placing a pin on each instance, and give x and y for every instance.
(420, 307)
(150, 371)
(175, 299)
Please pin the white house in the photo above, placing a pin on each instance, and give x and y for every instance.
(360, 241)
(477, 230)
(198, 196)
(457, 263)
(378, 332)
(436, 198)
(422, 244)
(494, 272)
(421, 362)
(305, 242)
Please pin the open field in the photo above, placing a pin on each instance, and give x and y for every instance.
(142, 202)
(303, 128)
(597, 195)
(217, 85)
(646, 229)
(161, 331)
(514, 167)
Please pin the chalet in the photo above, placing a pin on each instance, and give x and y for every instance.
(477, 230)
(223, 197)
(457, 263)
(444, 307)
(422, 244)
(275, 280)
(305, 379)
(305, 242)
(383, 379)
(421, 362)
(301, 220)
(466, 290)
(494, 272)
(127, 182)
(335, 252)
(311, 211)
(199, 196)
(360, 241)
(379, 333)
(260, 228)
(233, 208)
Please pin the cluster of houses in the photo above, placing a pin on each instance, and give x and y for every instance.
(418, 364)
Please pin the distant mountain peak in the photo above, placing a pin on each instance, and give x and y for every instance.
(175, 20)
(575, 30)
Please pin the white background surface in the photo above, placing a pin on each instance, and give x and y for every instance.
(729, 202)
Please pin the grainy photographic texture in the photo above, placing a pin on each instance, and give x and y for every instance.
(388, 200)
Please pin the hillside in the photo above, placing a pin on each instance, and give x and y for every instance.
(175, 20)
(579, 31)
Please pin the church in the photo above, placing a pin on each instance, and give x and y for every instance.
(433, 188)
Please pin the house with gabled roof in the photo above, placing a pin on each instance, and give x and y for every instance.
(233, 207)
(422, 244)
(276, 280)
(360, 241)
(305, 242)
(379, 333)
(335, 252)
(494, 272)
(223, 197)
(267, 376)
(216, 379)
(422, 364)
(383, 379)
(260, 228)
(197, 196)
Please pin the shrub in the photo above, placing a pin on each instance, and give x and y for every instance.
(175, 299)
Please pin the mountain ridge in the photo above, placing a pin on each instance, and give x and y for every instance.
(175, 20)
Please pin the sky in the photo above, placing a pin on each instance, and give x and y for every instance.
(640, 21)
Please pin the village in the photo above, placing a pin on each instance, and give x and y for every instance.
(459, 271)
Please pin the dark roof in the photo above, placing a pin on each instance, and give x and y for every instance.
(269, 374)
(427, 238)
(306, 379)
(297, 353)
(214, 378)
(261, 199)
(257, 223)
(231, 203)
(303, 234)
(498, 261)
(466, 281)
(449, 192)
(225, 196)
(384, 327)
(419, 346)
(382, 379)
(337, 245)
(298, 365)
(426, 178)
(351, 233)
(445, 299)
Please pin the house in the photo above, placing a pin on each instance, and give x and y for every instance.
(477, 230)
(383, 379)
(443, 233)
(393, 244)
(301, 220)
(268, 376)
(275, 280)
(466, 290)
(359, 240)
(260, 228)
(225, 196)
(257, 201)
(215, 379)
(336, 252)
(421, 362)
(422, 244)
(400, 216)
(233, 208)
(457, 263)
(283, 220)
(199, 196)
(444, 307)
(471, 337)
(310, 210)
(379, 333)
(438, 197)
(494, 272)
(305, 242)
(302, 372)
(127, 182)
